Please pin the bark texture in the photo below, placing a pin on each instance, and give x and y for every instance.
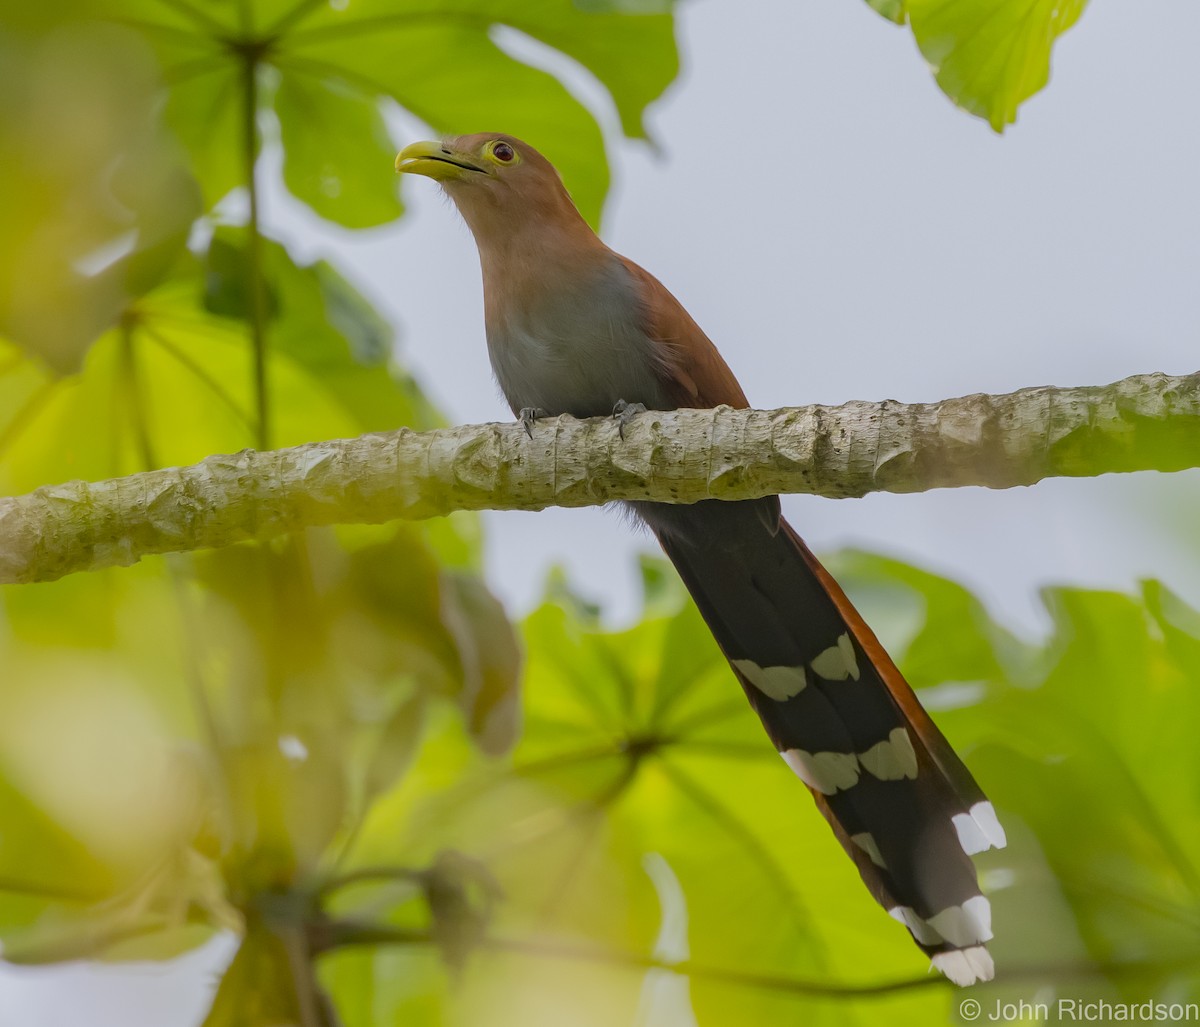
(1146, 422)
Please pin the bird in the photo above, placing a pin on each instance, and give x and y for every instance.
(574, 328)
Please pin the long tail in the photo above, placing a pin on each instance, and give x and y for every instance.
(901, 802)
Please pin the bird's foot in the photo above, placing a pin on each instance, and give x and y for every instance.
(626, 412)
(527, 415)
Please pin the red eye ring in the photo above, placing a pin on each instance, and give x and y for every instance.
(503, 152)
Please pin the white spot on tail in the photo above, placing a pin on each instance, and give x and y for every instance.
(966, 966)
(891, 759)
(968, 924)
(778, 683)
(970, 834)
(984, 814)
(979, 829)
(925, 934)
(866, 842)
(838, 662)
(825, 772)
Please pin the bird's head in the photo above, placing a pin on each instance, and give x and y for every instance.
(498, 182)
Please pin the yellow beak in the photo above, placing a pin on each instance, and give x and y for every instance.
(434, 160)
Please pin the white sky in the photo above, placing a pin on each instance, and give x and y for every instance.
(840, 231)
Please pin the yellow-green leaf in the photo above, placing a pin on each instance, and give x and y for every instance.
(337, 153)
(893, 10)
(990, 56)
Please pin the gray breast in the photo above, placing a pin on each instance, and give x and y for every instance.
(577, 350)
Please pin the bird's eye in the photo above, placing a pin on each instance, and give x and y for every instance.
(503, 152)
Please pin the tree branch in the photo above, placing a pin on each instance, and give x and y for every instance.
(1146, 422)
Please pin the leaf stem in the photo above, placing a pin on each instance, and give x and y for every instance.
(258, 317)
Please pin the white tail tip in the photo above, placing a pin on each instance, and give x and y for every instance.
(966, 966)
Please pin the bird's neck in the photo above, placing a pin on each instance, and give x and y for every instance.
(524, 259)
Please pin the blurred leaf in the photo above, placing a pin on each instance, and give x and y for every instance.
(639, 741)
(227, 278)
(105, 203)
(336, 62)
(172, 376)
(268, 985)
(893, 10)
(956, 641)
(1071, 743)
(490, 660)
(178, 375)
(373, 986)
(626, 6)
(461, 894)
(1179, 623)
(205, 108)
(319, 320)
(990, 56)
(397, 745)
(466, 645)
(338, 156)
(108, 823)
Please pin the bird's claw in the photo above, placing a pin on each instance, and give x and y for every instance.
(626, 412)
(528, 415)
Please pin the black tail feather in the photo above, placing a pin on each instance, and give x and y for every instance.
(902, 803)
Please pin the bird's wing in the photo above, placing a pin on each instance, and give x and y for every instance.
(694, 373)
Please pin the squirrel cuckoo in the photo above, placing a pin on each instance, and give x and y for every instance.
(572, 327)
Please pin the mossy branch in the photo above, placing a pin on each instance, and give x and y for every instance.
(1146, 422)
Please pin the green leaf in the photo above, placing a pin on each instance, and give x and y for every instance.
(108, 841)
(640, 742)
(336, 62)
(337, 153)
(205, 109)
(490, 660)
(893, 10)
(227, 278)
(453, 634)
(319, 321)
(105, 204)
(990, 56)
(954, 638)
(374, 986)
(462, 94)
(181, 378)
(397, 745)
(626, 6)
(270, 983)
(629, 47)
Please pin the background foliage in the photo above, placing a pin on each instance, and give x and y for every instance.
(338, 747)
